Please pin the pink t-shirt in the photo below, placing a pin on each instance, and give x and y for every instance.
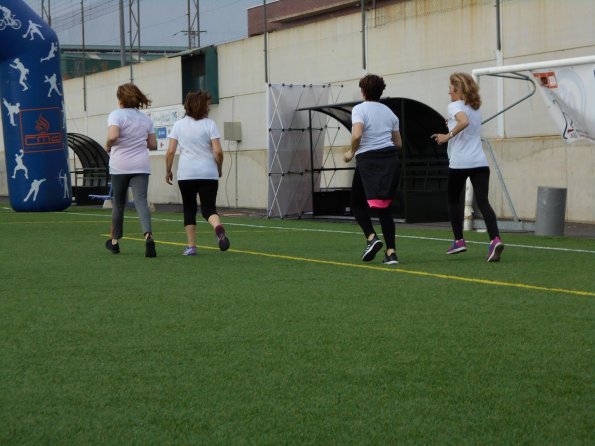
(130, 154)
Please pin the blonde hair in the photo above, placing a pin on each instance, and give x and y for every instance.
(130, 96)
(468, 88)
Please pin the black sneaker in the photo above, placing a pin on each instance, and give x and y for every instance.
(372, 248)
(391, 259)
(150, 247)
(114, 249)
(223, 240)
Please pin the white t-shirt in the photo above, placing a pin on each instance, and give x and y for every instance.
(465, 150)
(196, 151)
(130, 154)
(379, 123)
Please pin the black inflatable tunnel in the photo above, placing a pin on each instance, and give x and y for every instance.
(92, 177)
(421, 192)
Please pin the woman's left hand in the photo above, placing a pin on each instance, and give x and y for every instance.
(440, 138)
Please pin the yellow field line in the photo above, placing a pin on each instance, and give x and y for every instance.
(393, 269)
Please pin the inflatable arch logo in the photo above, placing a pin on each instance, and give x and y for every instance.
(33, 121)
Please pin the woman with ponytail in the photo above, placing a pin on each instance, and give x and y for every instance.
(467, 160)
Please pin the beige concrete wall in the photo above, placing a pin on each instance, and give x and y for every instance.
(415, 45)
(242, 99)
(527, 163)
(160, 80)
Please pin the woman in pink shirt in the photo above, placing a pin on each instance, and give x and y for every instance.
(130, 136)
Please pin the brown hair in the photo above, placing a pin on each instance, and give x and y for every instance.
(196, 104)
(130, 96)
(372, 86)
(468, 88)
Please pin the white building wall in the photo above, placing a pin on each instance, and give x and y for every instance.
(242, 99)
(415, 45)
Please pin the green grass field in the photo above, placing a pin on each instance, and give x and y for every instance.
(288, 338)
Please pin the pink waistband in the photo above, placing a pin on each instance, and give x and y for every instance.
(381, 204)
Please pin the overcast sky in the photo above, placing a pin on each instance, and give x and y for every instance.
(163, 22)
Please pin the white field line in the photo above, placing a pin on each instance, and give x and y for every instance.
(329, 231)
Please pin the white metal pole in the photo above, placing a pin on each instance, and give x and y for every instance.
(533, 66)
(468, 213)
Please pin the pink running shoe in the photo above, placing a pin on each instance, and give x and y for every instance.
(495, 250)
(223, 240)
(457, 247)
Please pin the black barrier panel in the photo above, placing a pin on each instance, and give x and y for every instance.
(421, 194)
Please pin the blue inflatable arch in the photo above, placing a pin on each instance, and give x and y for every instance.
(33, 121)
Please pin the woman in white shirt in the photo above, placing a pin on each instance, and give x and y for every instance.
(375, 139)
(130, 136)
(199, 167)
(467, 160)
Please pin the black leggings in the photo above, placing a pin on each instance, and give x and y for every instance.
(207, 192)
(361, 212)
(480, 179)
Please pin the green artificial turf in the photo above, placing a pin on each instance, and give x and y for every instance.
(288, 338)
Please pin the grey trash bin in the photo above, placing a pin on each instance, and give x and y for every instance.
(551, 211)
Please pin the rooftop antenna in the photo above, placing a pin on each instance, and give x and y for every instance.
(46, 13)
(134, 19)
(122, 35)
(193, 20)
